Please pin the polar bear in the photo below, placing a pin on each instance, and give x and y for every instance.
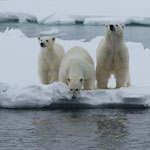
(49, 59)
(113, 58)
(77, 70)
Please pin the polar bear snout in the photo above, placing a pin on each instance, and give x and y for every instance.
(74, 93)
(42, 45)
(115, 28)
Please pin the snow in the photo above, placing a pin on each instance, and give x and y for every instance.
(20, 86)
(69, 11)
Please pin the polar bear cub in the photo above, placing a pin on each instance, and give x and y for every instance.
(113, 58)
(77, 70)
(49, 59)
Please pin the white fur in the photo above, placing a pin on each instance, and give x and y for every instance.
(77, 70)
(113, 58)
(49, 60)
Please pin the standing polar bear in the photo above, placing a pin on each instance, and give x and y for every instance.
(113, 58)
(49, 59)
(77, 70)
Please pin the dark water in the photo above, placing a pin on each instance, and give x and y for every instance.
(77, 129)
(134, 33)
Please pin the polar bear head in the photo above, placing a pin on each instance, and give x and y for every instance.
(46, 42)
(115, 29)
(75, 84)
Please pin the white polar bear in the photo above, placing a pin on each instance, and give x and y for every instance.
(49, 59)
(77, 70)
(113, 58)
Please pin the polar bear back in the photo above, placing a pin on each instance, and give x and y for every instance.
(59, 50)
(78, 52)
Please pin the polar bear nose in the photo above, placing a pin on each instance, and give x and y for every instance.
(42, 45)
(73, 97)
(111, 27)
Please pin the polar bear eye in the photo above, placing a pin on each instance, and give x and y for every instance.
(116, 25)
(123, 26)
(46, 40)
(70, 89)
(81, 80)
(77, 89)
(68, 79)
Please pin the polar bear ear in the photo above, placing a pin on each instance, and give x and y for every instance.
(81, 80)
(123, 26)
(106, 25)
(53, 39)
(39, 37)
(68, 80)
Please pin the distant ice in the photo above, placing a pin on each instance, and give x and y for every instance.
(114, 20)
(12, 33)
(20, 87)
(58, 19)
(52, 31)
(17, 17)
(91, 12)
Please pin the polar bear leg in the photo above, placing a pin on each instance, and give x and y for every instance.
(102, 76)
(54, 76)
(63, 79)
(122, 78)
(128, 81)
(89, 84)
(44, 77)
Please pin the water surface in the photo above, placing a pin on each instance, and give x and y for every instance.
(90, 129)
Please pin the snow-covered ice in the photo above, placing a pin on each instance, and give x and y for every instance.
(20, 87)
(57, 95)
